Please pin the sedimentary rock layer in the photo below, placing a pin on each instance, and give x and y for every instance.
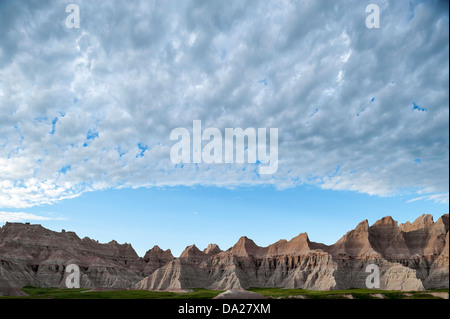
(35, 256)
(410, 256)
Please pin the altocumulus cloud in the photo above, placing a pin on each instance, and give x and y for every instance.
(92, 108)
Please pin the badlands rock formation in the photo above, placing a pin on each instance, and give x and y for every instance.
(31, 255)
(410, 256)
(156, 258)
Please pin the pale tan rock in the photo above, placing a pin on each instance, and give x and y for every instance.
(178, 274)
(443, 295)
(239, 294)
(398, 277)
(438, 276)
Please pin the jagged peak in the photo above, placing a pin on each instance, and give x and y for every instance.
(244, 241)
(157, 252)
(443, 220)
(423, 221)
(156, 248)
(192, 247)
(355, 242)
(245, 246)
(191, 250)
(363, 225)
(361, 229)
(193, 254)
(301, 236)
(247, 241)
(424, 218)
(386, 221)
(125, 247)
(297, 245)
(212, 249)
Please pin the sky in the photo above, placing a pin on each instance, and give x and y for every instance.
(86, 115)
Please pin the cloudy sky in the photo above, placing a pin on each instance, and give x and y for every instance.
(86, 113)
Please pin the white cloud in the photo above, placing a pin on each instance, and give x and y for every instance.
(438, 198)
(20, 216)
(341, 95)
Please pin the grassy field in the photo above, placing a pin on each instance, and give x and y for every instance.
(346, 294)
(56, 293)
(275, 293)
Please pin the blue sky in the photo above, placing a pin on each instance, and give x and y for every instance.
(176, 217)
(86, 114)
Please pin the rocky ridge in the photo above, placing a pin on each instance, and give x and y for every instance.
(410, 256)
(31, 255)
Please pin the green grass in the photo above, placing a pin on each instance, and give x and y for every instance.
(340, 294)
(56, 293)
